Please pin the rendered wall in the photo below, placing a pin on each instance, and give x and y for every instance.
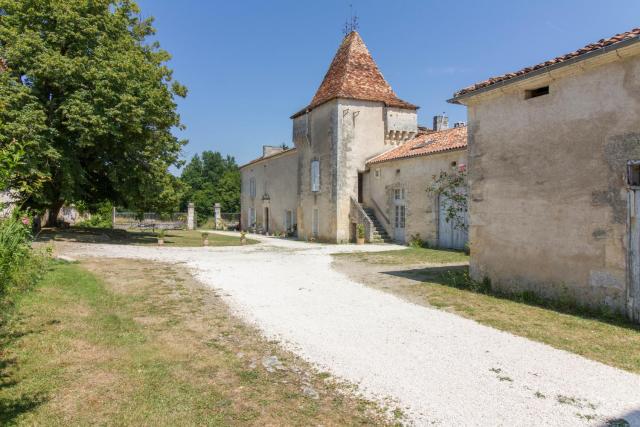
(548, 209)
(276, 183)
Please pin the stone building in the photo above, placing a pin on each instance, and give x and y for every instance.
(554, 175)
(322, 187)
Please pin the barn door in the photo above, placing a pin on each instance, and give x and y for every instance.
(634, 254)
(450, 234)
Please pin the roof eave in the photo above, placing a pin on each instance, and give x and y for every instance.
(433, 153)
(308, 108)
(543, 70)
(273, 156)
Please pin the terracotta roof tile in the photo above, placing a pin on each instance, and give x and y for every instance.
(600, 44)
(426, 143)
(353, 74)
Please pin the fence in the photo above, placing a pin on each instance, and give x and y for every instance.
(149, 220)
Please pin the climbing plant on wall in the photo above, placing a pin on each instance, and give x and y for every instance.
(452, 187)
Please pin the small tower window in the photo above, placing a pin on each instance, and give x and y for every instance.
(534, 93)
(633, 173)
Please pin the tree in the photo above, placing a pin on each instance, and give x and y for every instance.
(211, 178)
(22, 146)
(102, 99)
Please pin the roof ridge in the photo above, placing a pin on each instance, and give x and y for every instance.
(591, 47)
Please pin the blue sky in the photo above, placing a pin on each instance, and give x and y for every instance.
(250, 65)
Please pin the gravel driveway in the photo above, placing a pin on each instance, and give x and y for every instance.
(443, 369)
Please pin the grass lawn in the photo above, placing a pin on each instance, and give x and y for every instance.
(408, 256)
(131, 343)
(178, 238)
(604, 338)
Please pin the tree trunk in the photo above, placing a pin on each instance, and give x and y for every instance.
(54, 210)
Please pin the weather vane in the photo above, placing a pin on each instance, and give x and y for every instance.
(352, 23)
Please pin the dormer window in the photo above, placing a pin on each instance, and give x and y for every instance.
(534, 93)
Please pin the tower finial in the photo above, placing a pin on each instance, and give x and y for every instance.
(351, 24)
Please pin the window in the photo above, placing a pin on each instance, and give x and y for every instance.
(533, 93)
(398, 194)
(315, 175)
(400, 216)
(633, 173)
(377, 173)
(252, 188)
(252, 217)
(315, 222)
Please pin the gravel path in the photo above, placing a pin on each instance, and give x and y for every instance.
(442, 368)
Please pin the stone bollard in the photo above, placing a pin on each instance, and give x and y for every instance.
(191, 217)
(217, 216)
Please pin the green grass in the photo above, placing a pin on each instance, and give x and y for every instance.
(173, 238)
(408, 256)
(135, 348)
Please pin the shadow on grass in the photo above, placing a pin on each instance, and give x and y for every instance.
(99, 235)
(12, 407)
(458, 277)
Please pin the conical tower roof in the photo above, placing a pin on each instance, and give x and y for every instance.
(354, 74)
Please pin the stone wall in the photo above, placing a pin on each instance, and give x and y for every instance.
(547, 174)
(276, 183)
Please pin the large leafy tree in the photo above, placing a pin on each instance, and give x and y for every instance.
(211, 178)
(101, 98)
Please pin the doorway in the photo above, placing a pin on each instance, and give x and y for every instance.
(633, 296)
(360, 189)
(265, 225)
(452, 232)
(400, 215)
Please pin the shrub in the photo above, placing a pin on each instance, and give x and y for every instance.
(160, 233)
(360, 229)
(20, 266)
(101, 218)
(416, 241)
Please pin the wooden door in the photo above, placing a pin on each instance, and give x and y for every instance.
(450, 234)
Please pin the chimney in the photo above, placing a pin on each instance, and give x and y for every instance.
(440, 122)
(270, 150)
(459, 124)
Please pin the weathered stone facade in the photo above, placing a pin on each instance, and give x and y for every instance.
(353, 118)
(550, 202)
(268, 192)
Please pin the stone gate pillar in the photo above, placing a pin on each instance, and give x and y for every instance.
(191, 217)
(113, 217)
(217, 216)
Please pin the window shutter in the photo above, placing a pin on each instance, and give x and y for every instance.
(315, 175)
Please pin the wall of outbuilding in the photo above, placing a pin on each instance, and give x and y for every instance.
(548, 205)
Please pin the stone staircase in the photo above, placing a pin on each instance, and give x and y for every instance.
(379, 233)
